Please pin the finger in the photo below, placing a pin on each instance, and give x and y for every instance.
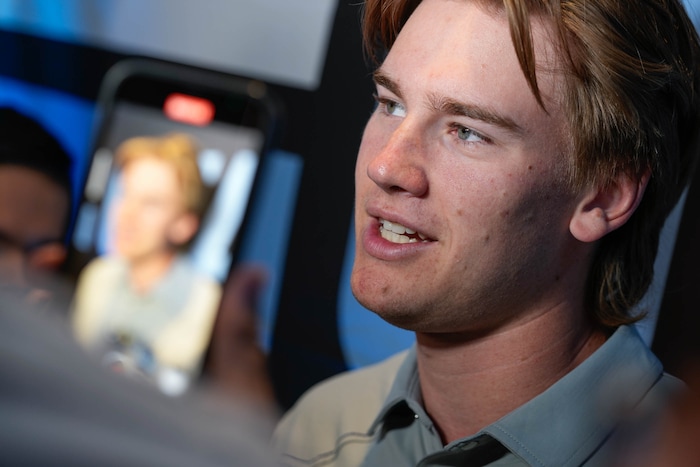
(237, 317)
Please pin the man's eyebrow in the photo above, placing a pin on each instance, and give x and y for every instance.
(383, 80)
(453, 107)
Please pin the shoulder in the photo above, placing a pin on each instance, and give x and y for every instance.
(185, 271)
(97, 279)
(331, 421)
(204, 291)
(659, 396)
(375, 380)
(100, 267)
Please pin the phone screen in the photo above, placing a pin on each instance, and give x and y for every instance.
(172, 174)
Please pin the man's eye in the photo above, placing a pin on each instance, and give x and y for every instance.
(393, 108)
(468, 135)
(390, 107)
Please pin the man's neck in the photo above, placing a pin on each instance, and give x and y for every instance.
(469, 382)
(145, 272)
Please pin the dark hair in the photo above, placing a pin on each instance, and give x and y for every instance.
(632, 103)
(25, 142)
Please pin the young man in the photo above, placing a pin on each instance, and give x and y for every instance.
(35, 203)
(511, 186)
(145, 293)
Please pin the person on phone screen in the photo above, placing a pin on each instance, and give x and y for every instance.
(143, 306)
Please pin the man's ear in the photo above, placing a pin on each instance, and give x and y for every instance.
(604, 209)
(183, 229)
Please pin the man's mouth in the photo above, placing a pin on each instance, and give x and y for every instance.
(397, 233)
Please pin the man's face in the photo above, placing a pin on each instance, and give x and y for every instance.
(33, 214)
(149, 210)
(460, 152)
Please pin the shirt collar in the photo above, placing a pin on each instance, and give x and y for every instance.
(405, 390)
(583, 407)
(578, 407)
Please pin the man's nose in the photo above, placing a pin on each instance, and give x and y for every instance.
(399, 166)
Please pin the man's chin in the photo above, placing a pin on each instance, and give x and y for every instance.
(394, 313)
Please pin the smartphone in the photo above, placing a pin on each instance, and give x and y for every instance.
(173, 171)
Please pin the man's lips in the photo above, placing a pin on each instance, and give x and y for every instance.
(397, 233)
(380, 240)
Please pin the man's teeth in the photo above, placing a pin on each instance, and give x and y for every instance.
(397, 233)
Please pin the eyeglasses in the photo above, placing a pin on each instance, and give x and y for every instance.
(19, 259)
(25, 267)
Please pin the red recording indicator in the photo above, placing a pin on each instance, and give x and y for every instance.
(189, 109)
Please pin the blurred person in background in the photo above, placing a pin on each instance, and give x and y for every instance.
(35, 205)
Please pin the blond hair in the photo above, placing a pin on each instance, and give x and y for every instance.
(177, 149)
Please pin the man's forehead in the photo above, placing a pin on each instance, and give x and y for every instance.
(483, 45)
(19, 177)
(535, 24)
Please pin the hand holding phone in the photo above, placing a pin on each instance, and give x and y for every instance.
(236, 361)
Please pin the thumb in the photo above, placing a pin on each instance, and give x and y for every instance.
(237, 316)
(238, 363)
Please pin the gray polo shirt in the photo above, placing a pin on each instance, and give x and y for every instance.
(583, 419)
(145, 314)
